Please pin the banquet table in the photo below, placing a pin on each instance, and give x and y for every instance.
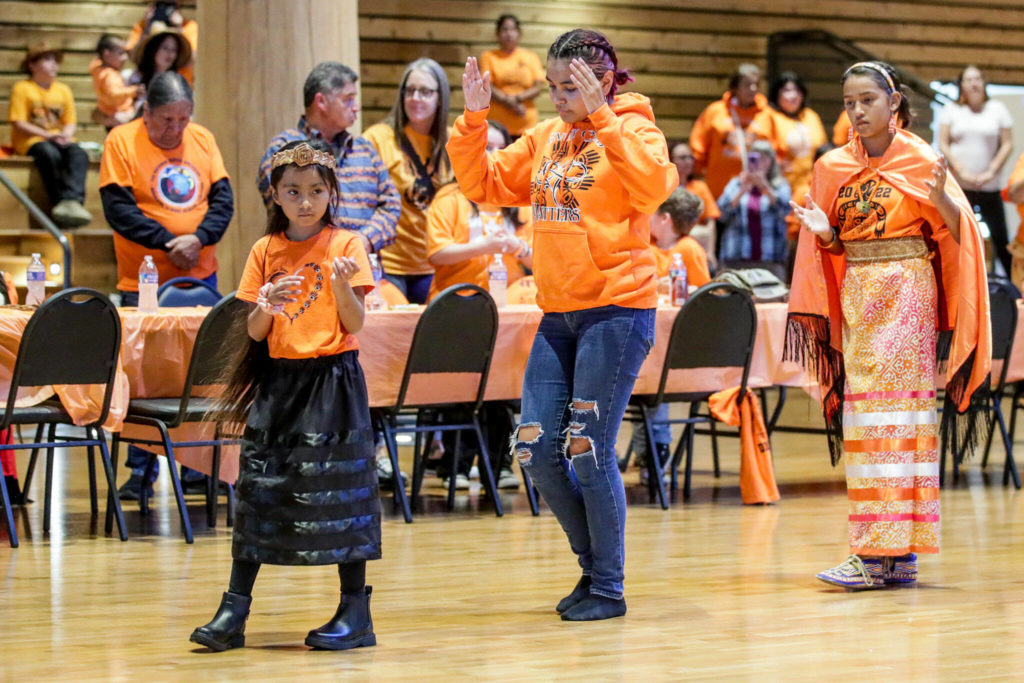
(156, 348)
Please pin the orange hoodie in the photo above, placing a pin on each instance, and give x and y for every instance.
(592, 186)
(714, 141)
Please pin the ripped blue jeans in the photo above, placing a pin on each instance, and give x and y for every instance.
(579, 377)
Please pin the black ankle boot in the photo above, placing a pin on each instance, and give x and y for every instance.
(581, 591)
(227, 630)
(595, 608)
(351, 626)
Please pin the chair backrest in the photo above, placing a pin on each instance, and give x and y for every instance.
(173, 294)
(1003, 313)
(715, 328)
(213, 348)
(455, 333)
(74, 337)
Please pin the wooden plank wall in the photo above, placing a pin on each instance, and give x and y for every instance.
(682, 51)
(75, 27)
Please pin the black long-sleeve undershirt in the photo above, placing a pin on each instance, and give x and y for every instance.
(126, 218)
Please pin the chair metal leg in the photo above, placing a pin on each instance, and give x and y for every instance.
(453, 475)
(655, 478)
(996, 401)
(689, 454)
(32, 460)
(778, 411)
(12, 534)
(231, 505)
(677, 455)
(48, 493)
(144, 488)
(91, 458)
(399, 490)
(213, 481)
(714, 449)
(115, 452)
(1010, 465)
(490, 485)
(179, 495)
(112, 500)
(531, 492)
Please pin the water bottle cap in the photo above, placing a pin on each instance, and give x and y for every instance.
(37, 255)
(148, 258)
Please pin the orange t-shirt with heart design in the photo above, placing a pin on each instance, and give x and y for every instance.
(309, 327)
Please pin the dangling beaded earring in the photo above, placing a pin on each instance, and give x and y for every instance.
(892, 124)
(849, 134)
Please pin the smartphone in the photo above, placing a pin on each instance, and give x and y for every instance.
(162, 11)
(753, 159)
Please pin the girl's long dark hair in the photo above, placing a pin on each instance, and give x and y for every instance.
(250, 360)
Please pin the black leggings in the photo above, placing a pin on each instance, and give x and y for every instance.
(243, 576)
(990, 206)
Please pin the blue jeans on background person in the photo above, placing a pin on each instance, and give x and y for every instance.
(414, 287)
(579, 378)
(662, 433)
(137, 458)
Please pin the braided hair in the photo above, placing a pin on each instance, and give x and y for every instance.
(593, 48)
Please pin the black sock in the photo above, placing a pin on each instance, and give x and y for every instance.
(353, 577)
(243, 576)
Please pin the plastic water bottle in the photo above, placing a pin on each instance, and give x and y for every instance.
(375, 300)
(497, 277)
(677, 277)
(149, 281)
(36, 279)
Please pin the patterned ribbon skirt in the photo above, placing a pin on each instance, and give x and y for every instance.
(307, 480)
(890, 429)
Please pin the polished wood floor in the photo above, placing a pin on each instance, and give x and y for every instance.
(715, 590)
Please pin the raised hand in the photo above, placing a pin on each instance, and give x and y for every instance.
(476, 88)
(814, 219)
(586, 82)
(342, 269)
(285, 290)
(937, 184)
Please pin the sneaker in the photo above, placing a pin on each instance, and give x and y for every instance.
(386, 473)
(70, 213)
(901, 570)
(132, 489)
(856, 573)
(507, 479)
(461, 482)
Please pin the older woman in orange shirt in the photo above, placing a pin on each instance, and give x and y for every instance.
(517, 77)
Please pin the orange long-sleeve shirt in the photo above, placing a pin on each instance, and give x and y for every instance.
(592, 186)
(112, 95)
(714, 141)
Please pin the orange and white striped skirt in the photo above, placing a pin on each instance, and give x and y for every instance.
(890, 430)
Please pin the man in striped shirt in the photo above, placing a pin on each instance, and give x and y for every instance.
(367, 200)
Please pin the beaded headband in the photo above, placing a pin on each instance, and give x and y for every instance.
(875, 67)
(302, 155)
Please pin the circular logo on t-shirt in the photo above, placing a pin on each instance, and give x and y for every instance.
(176, 185)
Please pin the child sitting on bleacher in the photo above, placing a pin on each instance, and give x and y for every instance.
(42, 116)
(116, 102)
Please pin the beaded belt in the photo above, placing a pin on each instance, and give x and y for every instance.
(893, 249)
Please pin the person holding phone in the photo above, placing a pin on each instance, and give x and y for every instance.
(754, 207)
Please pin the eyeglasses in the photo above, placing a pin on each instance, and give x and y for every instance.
(420, 93)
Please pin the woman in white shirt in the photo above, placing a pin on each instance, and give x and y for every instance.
(975, 137)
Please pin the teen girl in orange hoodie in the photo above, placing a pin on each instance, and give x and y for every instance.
(592, 177)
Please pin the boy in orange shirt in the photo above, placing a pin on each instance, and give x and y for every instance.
(670, 234)
(115, 101)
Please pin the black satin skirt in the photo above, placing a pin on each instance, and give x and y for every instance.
(307, 480)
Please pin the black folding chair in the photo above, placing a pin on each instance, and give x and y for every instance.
(455, 334)
(211, 355)
(1003, 307)
(714, 329)
(73, 338)
(180, 292)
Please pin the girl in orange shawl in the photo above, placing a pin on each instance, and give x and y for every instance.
(891, 253)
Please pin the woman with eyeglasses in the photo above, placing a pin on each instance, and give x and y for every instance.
(411, 143)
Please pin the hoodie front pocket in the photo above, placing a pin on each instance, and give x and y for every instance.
(564, 268)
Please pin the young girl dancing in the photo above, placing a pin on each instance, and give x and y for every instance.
(307, 483)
